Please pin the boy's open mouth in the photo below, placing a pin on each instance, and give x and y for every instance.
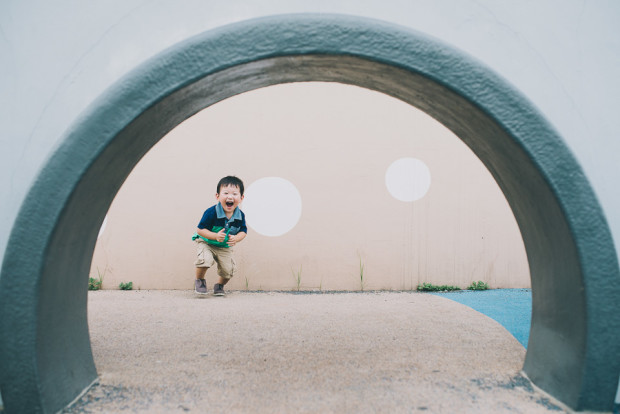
(230, 203)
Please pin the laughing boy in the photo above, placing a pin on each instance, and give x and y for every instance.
(222, 226)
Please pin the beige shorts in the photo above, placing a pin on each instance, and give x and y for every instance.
(208, 255)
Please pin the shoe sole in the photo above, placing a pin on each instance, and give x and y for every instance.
(219, 294)
(200, 293)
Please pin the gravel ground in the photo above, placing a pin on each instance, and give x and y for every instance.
(275, 352)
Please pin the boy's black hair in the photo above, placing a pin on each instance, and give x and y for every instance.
(230, 180)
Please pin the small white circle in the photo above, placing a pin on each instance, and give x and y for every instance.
(272, 205)
(408, 179)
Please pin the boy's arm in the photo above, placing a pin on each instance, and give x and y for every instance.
(211, 235)
(236, 238)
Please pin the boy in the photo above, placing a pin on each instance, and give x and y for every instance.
(222, 226)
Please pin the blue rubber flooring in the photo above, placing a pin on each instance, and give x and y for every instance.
(510, 307)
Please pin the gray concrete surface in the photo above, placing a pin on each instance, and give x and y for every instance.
(266, 352)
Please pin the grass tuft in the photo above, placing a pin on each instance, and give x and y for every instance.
(96, 283)
(126, 286)
(362, 281)
(297, 277)
(429, 287)
(479, 285)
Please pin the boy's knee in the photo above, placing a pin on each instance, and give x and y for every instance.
(205, 262)
(226, 268)
(204, 257)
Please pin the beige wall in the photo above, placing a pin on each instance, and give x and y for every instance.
(334, 143)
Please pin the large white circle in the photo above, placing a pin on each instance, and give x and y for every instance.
(272, 206)
(408, 179)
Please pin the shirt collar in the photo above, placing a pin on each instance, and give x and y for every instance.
(222, 214)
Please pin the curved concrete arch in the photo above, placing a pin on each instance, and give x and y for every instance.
(46, 359)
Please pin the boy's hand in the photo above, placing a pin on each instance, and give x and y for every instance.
(221, 236)
(233, 239)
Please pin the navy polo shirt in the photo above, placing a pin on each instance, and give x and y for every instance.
(214, 219)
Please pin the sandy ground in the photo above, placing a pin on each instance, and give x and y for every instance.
(270, 352)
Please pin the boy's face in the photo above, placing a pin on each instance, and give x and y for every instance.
(229, 197)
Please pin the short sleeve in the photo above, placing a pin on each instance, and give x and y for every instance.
(243, 227)
(208, 219)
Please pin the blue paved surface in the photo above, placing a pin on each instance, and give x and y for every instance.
(510, 307)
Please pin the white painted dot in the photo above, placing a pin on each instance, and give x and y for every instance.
(408, 179)
(272, 206)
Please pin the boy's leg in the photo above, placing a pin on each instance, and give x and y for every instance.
(218, 288)
(204, 260)
(200, 285)
(200, 272)
(225, 269)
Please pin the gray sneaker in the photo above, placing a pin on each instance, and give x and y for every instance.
(200, 286)
(218, 289)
